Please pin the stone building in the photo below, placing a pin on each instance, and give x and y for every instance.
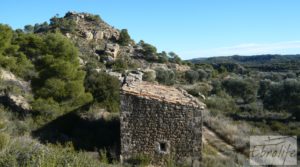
(160, 122)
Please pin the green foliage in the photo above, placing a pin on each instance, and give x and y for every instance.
(30, 44)
(191, 76)
(5, 37)
(264, 86)
(103, 156)
(198, 89)
(149, 76)
(63, 24)
(224, 104)
(174, 58)
(28, 29)
(4, 139)
(124, 38)
(94, 18)
(203, 75)
(139, 160)
(25, 152)
(241, 88)
(10, 56)
(120, 65)
(217, 87)
(149, 51)
(105, 89)
(41, 27)
(166, 77)
(60, 81)
(47, 107)
(162, 57)
(284, 96)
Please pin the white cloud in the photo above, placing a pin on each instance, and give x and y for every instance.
(287, 47)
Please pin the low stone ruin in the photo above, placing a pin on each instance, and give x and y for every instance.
(161, 123)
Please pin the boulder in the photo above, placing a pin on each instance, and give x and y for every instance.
(112, 50)
(15, 102)
(98, 35)
(88, 35)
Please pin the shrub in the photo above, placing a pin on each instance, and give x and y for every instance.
(4, 139)
(149, 51)
(174, 58)
(120, 65)
(166, 77)
(124, 38)
(191, 76)
(149, 76)
(140, 160)
(203, 75)
(217, 87)
(223, 104)
(103, 156)
(105, 89)
(95, 18)
(284, 96)
(245, 89)
(10, 56)
(162, 57)
(27, 152)
(63, 24)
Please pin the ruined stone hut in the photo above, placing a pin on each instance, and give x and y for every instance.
(160, 122)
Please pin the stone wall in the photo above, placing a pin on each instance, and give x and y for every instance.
(160, 130)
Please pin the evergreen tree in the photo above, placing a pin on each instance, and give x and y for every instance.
(124, 37)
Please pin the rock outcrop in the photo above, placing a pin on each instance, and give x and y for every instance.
(15, 101)
(112, 50)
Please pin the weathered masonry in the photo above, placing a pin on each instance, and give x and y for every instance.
(160, 122)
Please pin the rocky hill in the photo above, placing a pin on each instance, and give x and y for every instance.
(99, 47)
(100, 42)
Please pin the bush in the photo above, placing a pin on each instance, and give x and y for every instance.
(198, 89)
(241, 88)
(103, 156)
(191, 76)
(166, 77)
(203, 75)
(95, 18)
(217, 87)
(27, 152)
(174, 58)
(149, 51)
(284, 96)
(105, 89)
(149, 76)
(10, 56)
(4, 139)
(63, 24)
(120, 65)
(223, 104)
(162, 57)
(140, 160)
(124, 38)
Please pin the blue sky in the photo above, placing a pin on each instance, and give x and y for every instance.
(191, 28)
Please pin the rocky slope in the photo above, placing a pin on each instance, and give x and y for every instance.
(14, 92)
(100, 42)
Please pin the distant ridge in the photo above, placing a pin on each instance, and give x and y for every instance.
(268, 62)
(247, 59)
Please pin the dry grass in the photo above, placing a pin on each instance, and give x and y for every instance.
(236, 134)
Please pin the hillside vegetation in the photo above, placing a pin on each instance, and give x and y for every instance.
(60, 81)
